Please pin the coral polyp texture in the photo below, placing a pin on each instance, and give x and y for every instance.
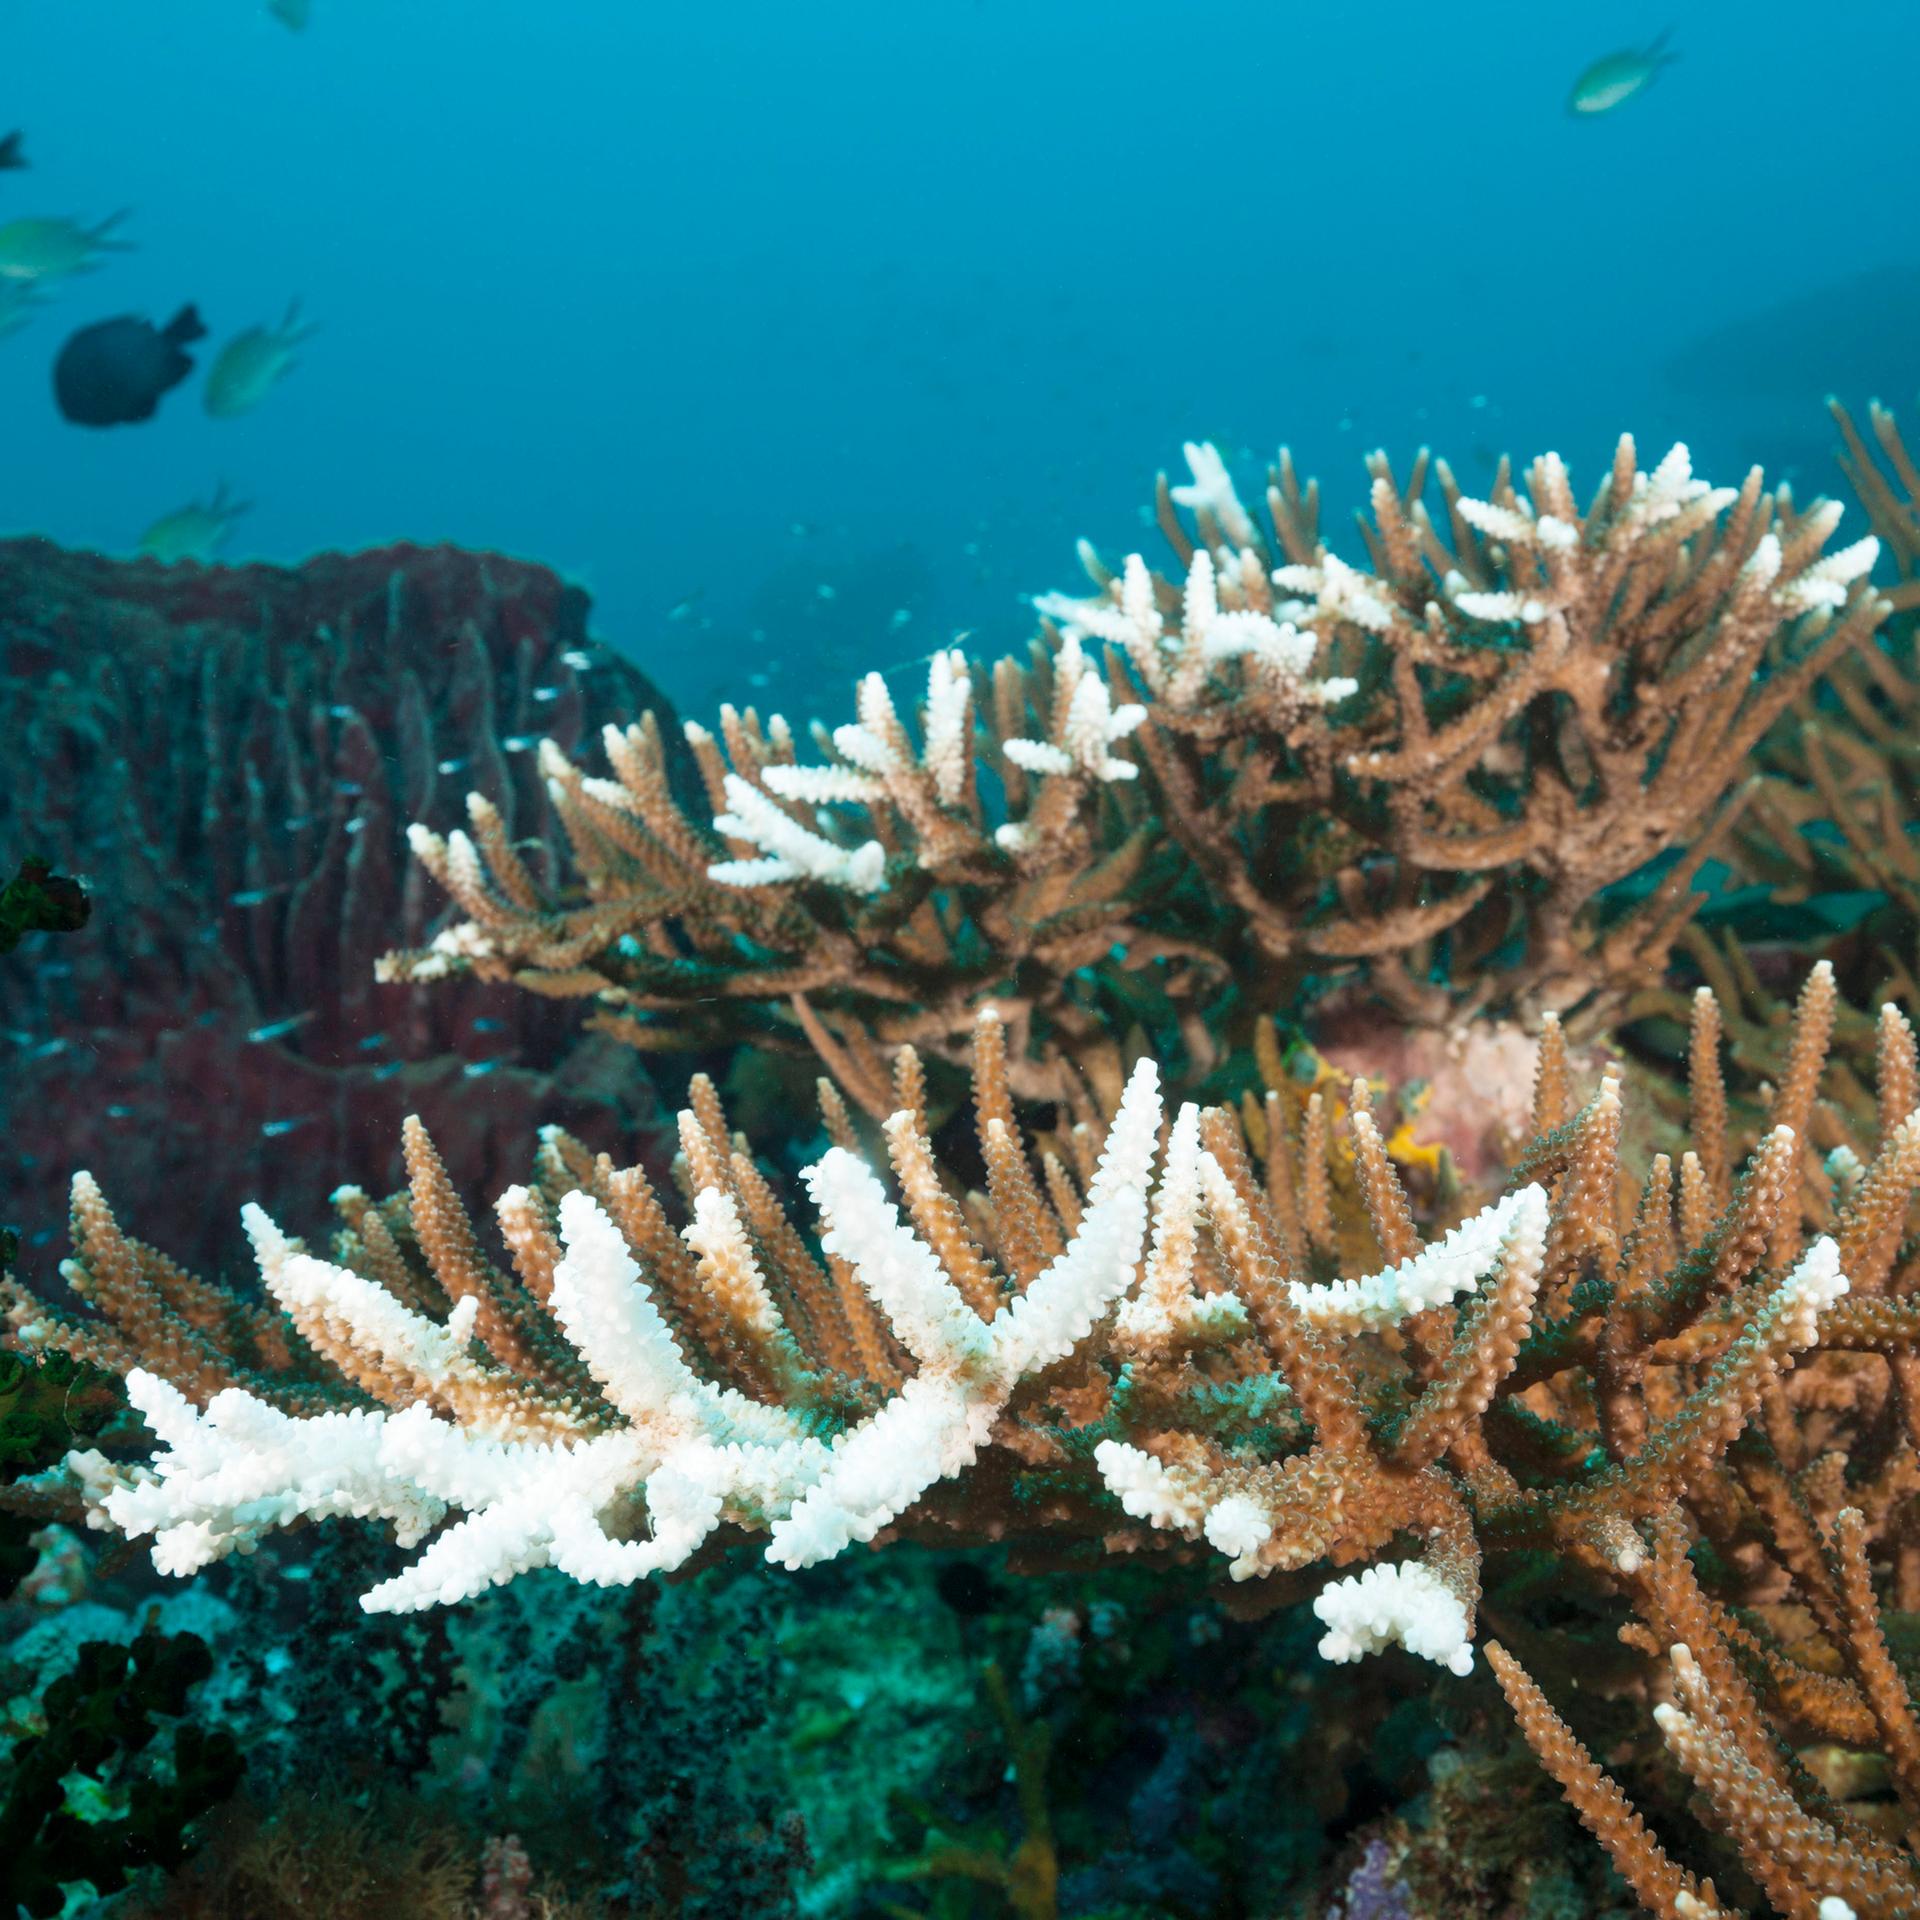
(1829, 831)
(1685, 1387)
(1448, 775)
(228, 756)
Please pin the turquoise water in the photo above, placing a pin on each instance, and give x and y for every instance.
(720, 305)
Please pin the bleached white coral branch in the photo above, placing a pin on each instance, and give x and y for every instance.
(1212, 489)
(1404, 1604)
(1434, 1276)
(1339, 592)
(698, 1455)
(936, 1425)
(949, 751)
(793, 852)
(1092, 726)
(1173, 665)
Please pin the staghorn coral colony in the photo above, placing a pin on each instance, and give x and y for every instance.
(1108, 1277)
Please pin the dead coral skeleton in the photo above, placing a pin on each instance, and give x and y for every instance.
(1426, 773)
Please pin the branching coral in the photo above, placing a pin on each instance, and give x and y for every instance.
(1828, 829)
(1140, 1362)
(1285, 770)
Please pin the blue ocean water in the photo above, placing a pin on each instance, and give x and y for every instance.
(806, 335)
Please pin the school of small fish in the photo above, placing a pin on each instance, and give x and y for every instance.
(114, 372)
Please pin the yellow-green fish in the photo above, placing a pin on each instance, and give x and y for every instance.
(251, 362)
(52, 249)
(196, 531)
(1617, 78)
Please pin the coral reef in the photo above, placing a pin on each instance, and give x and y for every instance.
(1452, 776)
(228, 757)
(38, 900)
(100, 1722)
(1565, 1407)
(45, 1406)
(1823, 854)
(1683, 1394)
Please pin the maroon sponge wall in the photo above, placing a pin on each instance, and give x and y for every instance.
(230, 757)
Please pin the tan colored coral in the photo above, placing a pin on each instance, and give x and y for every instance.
(1419, 776)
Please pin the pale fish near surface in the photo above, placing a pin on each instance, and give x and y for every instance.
(252, 363)
(1618, 77)
(52, 249)
(196, 531)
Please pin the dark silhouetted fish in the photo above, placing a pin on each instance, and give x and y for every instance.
(113, 374)
(12, 160)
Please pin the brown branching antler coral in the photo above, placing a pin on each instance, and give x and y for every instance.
(1427, 775)
(1695, 1393)
(1827, 831)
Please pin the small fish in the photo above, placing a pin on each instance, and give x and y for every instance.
(1618, 77)
(20, 300)
(577, 659)
(477, 1069)
(115, 373)
(253, 362)
(486, 1023)
(296, 823)
(388, 1071)
(459, 765)
(12, 159)
(543, 695)
(372, 1042)
(119, 1113)
(341, 711)
(292, 14)
(255, 896)
(196, 531)
(276, 1129)
(53, 249)
(278, 1029)
(520, 742)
